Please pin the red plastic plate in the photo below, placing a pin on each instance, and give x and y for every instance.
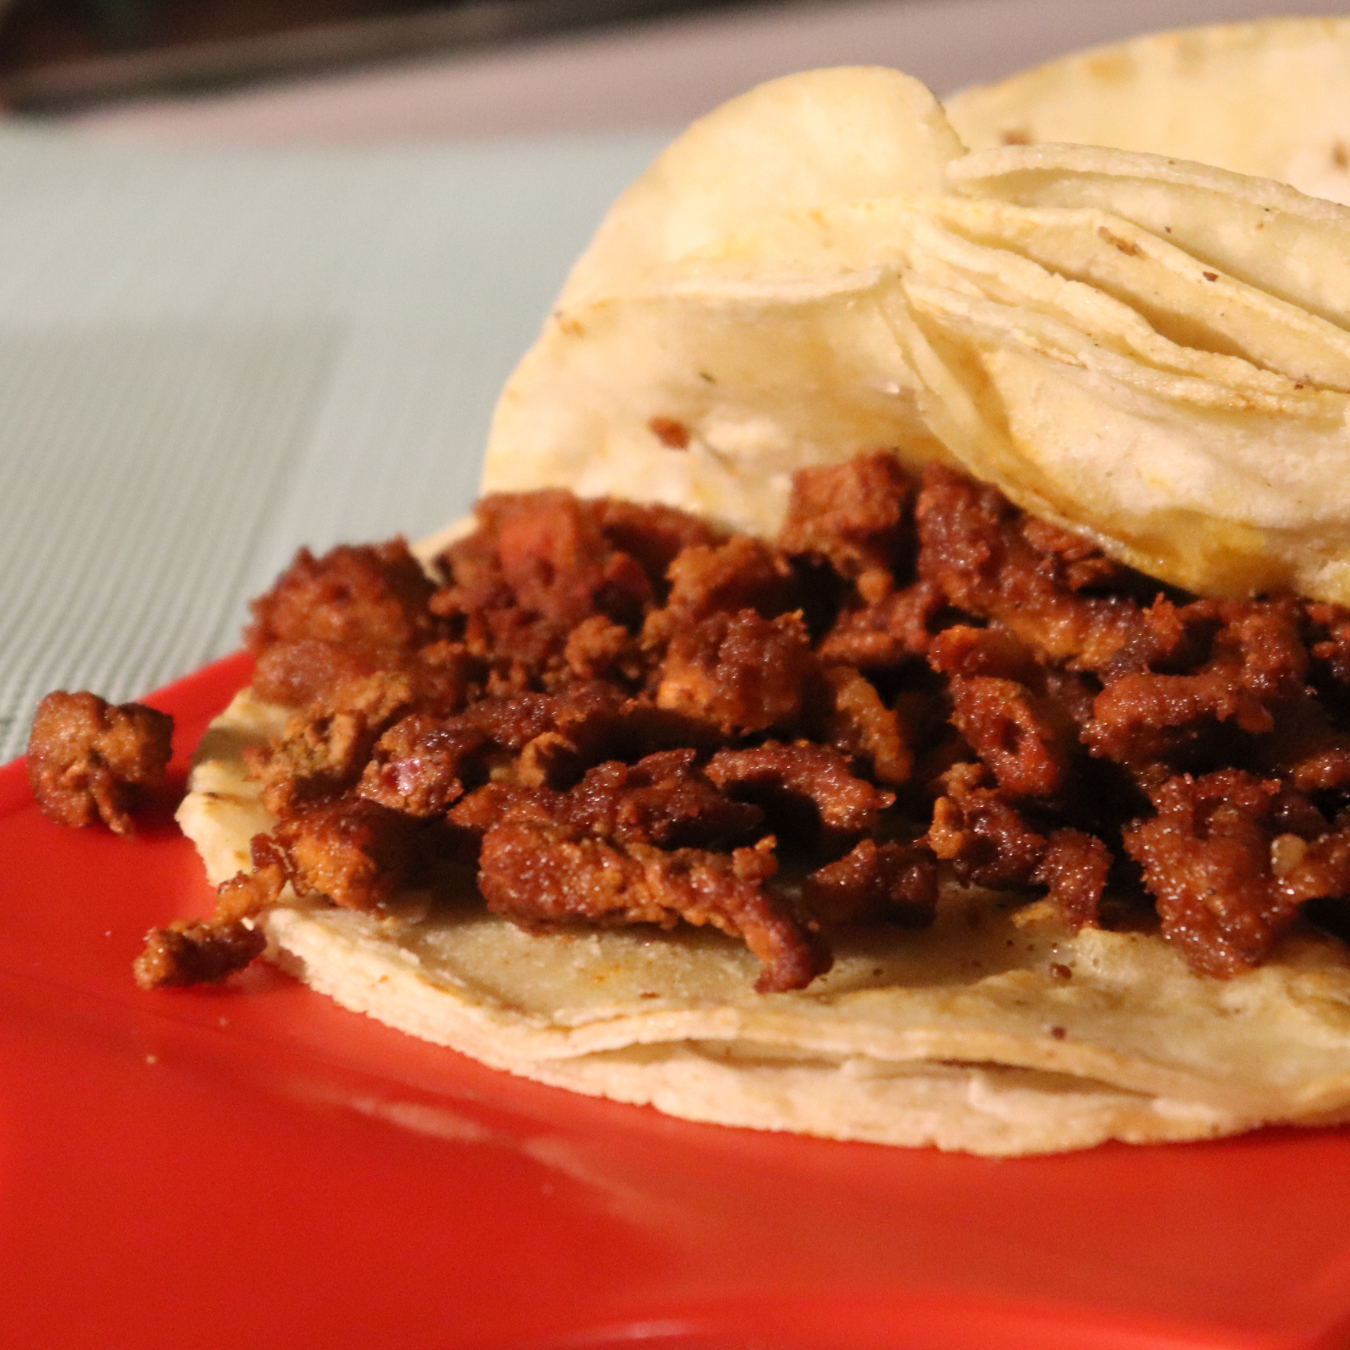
(253, 1167)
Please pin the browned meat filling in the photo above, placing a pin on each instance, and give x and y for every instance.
(618, 715)
(196, 951)
(89, 760)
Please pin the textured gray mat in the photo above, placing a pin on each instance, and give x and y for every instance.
(208, 358)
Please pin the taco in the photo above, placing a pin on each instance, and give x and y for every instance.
(897, 686)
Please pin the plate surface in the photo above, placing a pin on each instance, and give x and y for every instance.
(253, 1166)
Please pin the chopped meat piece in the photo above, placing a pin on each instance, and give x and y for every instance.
(653, 534)
(976, 547)
(1265, 637)
(196, 951)
(201, 950)
(553, 736)
(782, 777)
(1075, 867)
(860, 724)
(89, 760)
(378, 682)
(662, 799)
(892, 881)
(367, 597)
(890, 628)
(1313, 870)
(1142, 719)
(850, 515)
(543, 875)
(419, 764)
(983, 836)
(249, 893)
(739, 673)
(1206, 857)
(593, 724)
(1255, 668)
(671, 432)
(410, 684)
(356, 852)
(1304, 748)
(489, 805)
(992, 652)
(557, 562)
(539, 566)
(742, 573)
(296, 673)
(1329, 639)
(1015, 733)
(511, 723)
(598, 648)
(315, 759)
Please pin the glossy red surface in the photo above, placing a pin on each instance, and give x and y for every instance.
(251, 1166)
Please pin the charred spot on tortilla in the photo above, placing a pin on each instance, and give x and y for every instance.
(670, 432)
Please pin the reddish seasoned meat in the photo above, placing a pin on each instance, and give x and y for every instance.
(355, 852)
(598, 648)
(247, 894)
(543, 875)
(850, 515)
(739, 673)
(888, 628)
(1257, 665)
(1144, 719)
(89, 760)
(558, 564)
(662, 799)
(478, 811)
(1304, 748)
(419, 764)
(1312, 868)
(993, 652)
(983, 836)
(991, 562)
(742, 573)
(653, 534)
(784, 777)
(297, 673)
(587, 699)
(378, 682)
(1015, 734)
(315, 759)
(538, 567)
(196, 951)
(1206, 857)
(896, 882)
(1075, 867)
(511, 723)
(371, 597)
(858, 723)
(1329, 639)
